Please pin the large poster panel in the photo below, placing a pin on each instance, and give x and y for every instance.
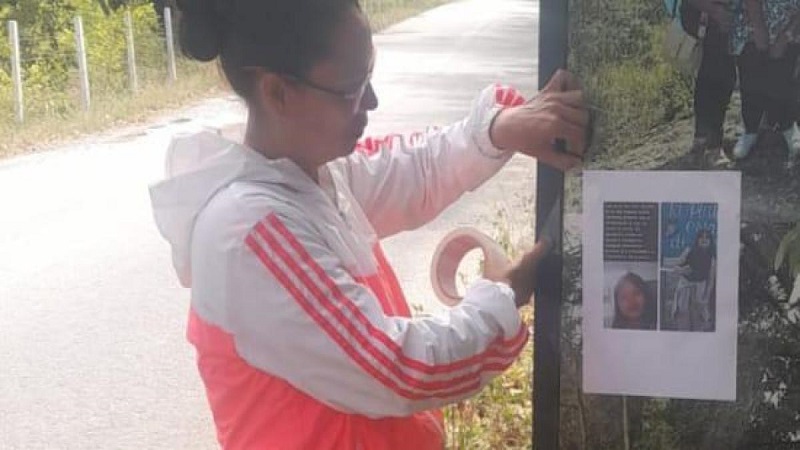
(680, 321)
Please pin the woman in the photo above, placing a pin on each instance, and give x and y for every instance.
(633, 306)
(304, 339)
(694, 292)
(766, 64)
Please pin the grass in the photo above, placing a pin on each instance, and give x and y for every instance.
(124, 108)
(196, 82)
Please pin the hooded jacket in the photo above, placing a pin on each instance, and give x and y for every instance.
(304, 339)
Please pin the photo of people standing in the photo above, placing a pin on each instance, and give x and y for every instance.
(731, 103)
(752, 42)
(688, 266)
(763, 40)
(690, 305)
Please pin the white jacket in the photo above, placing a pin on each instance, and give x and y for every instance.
(279, 263)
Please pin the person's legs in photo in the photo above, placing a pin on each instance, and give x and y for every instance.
(716, 79)
(695, 317)
(793, 159)
(702, 304)
(753, 79)
(680, 307)
(783, 109)
(706, 298)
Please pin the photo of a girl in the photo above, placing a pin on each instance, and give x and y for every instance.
(691, 306)
(634, 304)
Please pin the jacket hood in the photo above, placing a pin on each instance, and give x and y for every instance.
(197, 167)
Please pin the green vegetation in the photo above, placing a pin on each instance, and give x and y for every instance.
(48, 49)
(616, 49)
(51, 80)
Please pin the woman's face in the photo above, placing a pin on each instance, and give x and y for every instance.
(329, 125)
(630, 301)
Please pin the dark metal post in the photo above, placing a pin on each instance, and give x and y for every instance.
(553, 50)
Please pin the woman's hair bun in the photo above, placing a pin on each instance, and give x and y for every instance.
(203, 27)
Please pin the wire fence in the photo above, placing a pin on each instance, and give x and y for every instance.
(58, 73)
(83, 59)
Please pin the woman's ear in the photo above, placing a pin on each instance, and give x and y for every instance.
(271, 92)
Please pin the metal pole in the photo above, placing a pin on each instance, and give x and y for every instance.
(133, 78)
(83, 66)
(16, 70)
(626, 439)
(553, 49)
(173, 70)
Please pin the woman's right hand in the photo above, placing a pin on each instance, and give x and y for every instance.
(558, 112)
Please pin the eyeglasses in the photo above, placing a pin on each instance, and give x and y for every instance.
(353, 96)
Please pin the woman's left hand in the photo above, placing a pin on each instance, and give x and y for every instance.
(558, 112)
(522, 276)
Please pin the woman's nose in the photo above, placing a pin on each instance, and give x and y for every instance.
(370, 100)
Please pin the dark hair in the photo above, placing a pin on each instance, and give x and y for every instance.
(648, 313)
(282, 36)
(709, 234)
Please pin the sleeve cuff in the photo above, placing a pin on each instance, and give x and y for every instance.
(495, 300)
(483, 139)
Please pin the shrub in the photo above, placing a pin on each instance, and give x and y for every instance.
(615, 47)
(48, 52)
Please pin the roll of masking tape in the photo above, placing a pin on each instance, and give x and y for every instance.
(452, 250)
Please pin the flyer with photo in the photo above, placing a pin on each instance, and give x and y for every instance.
(660, 283)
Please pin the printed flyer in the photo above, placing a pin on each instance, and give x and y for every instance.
(660, 271)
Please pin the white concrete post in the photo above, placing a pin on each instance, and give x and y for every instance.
(83, 66)
(133, 79)
(173, 70)
(16, 70)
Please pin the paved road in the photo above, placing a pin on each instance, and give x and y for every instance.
(92, 348)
